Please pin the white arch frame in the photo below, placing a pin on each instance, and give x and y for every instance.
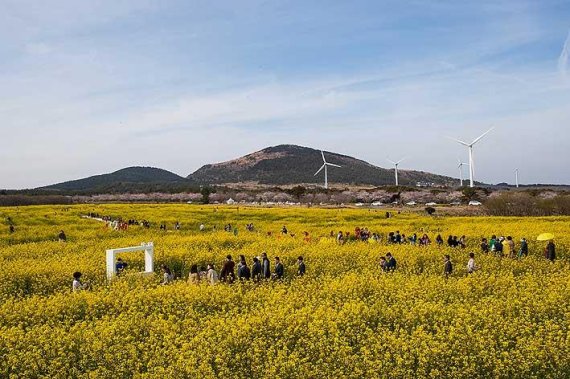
(148, 249)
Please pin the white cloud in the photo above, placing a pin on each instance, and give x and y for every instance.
(563, 58)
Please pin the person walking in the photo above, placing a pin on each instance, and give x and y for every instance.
(266, 266)
(499, 247)
(550, 251)
(194, 276)
(523, 250)
(77, 284)
(211, 275)
(447, 266)
(244, 273)
(484, 245)
(279, 269)
(256, 270)
(510, 247)
(471, 266)
(167, 276)
(301, 269)
(227, 274)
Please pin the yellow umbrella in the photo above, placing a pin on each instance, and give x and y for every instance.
(545, 237)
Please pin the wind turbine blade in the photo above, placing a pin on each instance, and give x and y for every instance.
(400, 161)
(481, 136)
(391, 161)
(323, 155)
(334, 165)
(456, 140)
(320, 169)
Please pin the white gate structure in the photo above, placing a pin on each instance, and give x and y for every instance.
(148, 257)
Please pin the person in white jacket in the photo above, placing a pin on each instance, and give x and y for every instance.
(471, 266)
(211, 275)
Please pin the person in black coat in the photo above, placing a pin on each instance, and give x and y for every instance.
(256, 270)
(243, 272)
(390, 263)
(265, 266)
(279, 269)
(550, 251)
(301, 269)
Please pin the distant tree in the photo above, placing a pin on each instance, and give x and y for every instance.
(469, 193)
(205, 192)
(297, 191)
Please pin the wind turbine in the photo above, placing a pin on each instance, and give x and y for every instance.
(470, 147)
(517, 177)
(325, 164)
(460, 167)
(396, 167)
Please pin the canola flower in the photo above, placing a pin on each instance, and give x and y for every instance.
(344, 319)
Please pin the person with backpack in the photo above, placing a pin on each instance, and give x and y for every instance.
(523, 250)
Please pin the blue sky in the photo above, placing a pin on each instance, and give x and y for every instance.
(91, 87)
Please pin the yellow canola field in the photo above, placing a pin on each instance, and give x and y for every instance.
(344, 319)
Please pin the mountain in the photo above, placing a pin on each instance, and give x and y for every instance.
(292, 164)
(125, 180)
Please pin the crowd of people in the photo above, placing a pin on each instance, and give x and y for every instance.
(260, 267)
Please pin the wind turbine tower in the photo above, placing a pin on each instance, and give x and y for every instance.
(396, 168)
(517, 177)
(470, 148)
(324, 166)
(460, 167)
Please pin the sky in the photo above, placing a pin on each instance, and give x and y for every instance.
(90, 87)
